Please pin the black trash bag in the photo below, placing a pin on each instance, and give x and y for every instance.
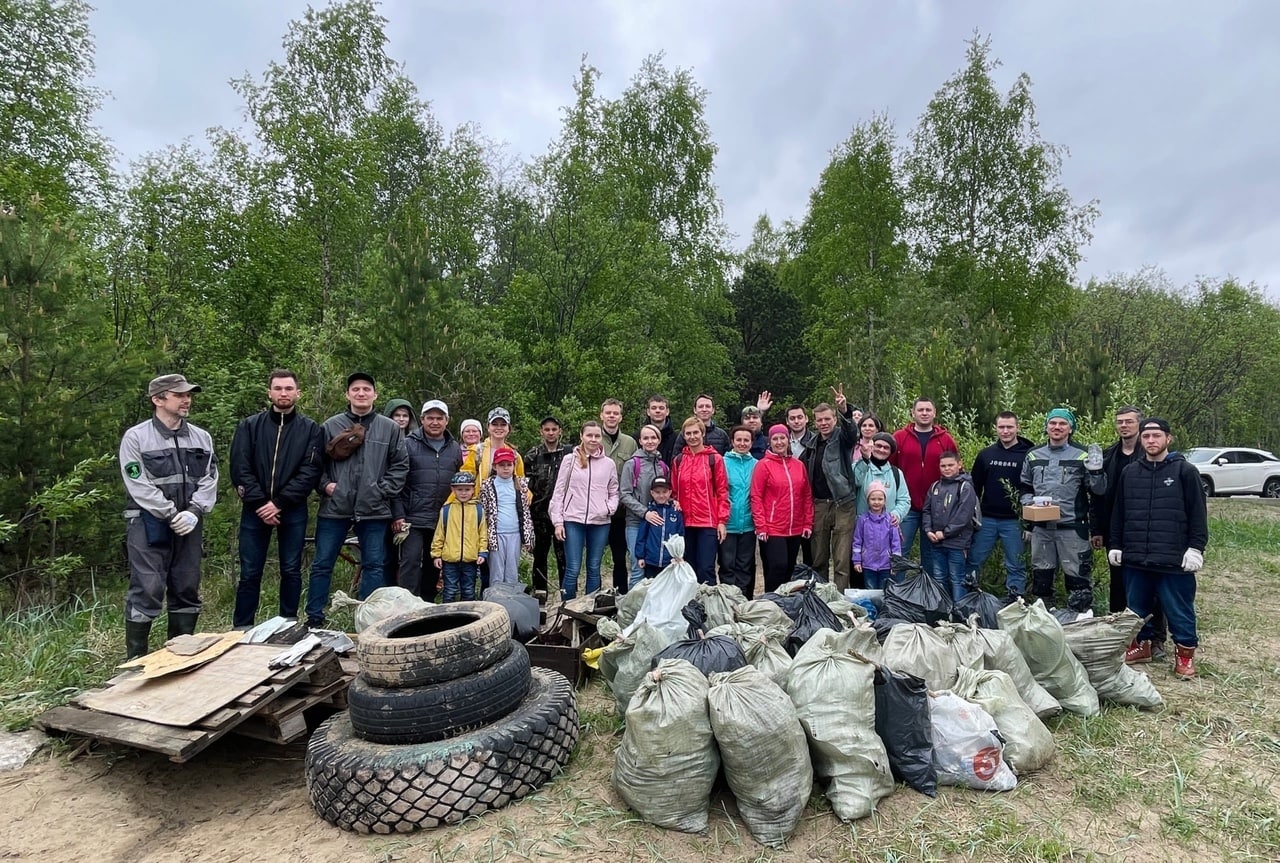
(790, 603)
(979, 602)
(917, 599)
(903, 723)
(814, 614)
(806, 573)
(717, 653)
(521, 608)
(883, 624)
(1066, 615)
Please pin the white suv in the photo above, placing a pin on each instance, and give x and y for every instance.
(1236, 470)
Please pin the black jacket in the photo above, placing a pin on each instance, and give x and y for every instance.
(1113, 462)
(541, 466)
(430, 474)
(1158, 512)
(994, 467)
(276, 457)
(716, 438)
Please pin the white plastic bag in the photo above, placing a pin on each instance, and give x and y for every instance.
(1028, 744)
(967, 749)
(384, 602)
(668, 595)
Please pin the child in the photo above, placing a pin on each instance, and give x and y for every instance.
(650, 552)
(507, 516)
(950, 513)
(461, 542)
(875, 539)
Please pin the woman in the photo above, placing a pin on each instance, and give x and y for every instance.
(782, 506)
(868, 427)
(582, 505)
(634, 478)
(738, 550)
(701, 488)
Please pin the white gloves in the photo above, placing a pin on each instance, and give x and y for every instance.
(184, 522)
(1115, 556)
(1093, 461)
(1192, 560)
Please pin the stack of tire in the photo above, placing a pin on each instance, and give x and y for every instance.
(445, 720)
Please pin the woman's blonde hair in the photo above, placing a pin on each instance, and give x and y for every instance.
(694, 421)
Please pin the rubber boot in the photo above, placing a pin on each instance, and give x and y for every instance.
(1184, 661)
(136, 637)
(1042, 586)
(1139, 653)
(182, 623)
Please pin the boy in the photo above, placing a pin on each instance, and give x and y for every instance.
(651, 555)
(461, 542)
(507, 517)
(950, 511)
(875, 539)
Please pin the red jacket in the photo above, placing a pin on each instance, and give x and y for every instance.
(920, 469)
(781, 500)
(701, 486)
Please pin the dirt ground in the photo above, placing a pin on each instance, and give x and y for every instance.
(245, 801)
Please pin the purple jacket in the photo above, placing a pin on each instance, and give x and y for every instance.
(875, 537)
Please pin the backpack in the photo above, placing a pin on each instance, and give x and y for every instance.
(663, 471)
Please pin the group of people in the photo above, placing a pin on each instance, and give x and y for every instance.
(438, 513)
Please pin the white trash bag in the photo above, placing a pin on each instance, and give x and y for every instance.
(668, 595)
(967, 749)
(382, 603)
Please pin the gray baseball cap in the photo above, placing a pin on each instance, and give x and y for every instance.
(171, 384)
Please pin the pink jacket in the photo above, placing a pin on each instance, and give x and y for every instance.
(585, 495)
(781, 501)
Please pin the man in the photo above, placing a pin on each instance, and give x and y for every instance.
(997, 474)
(920, 445)
(714, 436)
(171, 482)
(541, 466)
(1066, 473)
(619, 446)
(434, 457)
(802, 437)
(275, 461)
(658, 413)
(829, 464)
(364, 470)
(1115, 459)
(753, 419)
(1159, 531)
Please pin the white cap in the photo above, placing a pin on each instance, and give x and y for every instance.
(434, 404)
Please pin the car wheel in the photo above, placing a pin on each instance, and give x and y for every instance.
(1207, 485)
(434, 644)
(1271, 488)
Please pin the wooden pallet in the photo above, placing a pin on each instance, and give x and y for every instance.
(271, 710)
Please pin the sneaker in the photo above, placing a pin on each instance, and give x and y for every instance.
(1139, 653)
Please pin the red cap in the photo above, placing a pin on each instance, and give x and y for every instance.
(504, 454)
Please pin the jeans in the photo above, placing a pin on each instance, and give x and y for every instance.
(331, 533)
(1176, 592)
(949, 569)
(255, 538)
(738, 562)
(637, 571)
(1120, 601)
(459, 581)
(1009, 532)
(910, 527)
(580, 538)
(877, 578)
(701, 547)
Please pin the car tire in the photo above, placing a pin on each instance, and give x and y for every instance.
(1271, 488)
(374, 788)
(434, 644)
(1207, 485)
(425, 714)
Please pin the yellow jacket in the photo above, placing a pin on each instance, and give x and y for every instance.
(478, 460)
(460, 532)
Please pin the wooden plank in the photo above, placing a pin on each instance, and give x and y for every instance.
(185, 699)
(286, 732)
(177, 743)
(163, 662)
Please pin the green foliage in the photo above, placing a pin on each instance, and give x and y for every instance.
(772, 354)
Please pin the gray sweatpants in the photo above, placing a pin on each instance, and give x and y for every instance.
(504, 560)
(157, 572)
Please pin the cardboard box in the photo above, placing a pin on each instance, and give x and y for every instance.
(1041, 513)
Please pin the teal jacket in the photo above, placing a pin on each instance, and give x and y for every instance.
(897, 498)
(738, 468)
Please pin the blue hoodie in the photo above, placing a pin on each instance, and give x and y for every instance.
(650, 539)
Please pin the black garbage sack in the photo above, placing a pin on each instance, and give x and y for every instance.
(790, 603)
(806, 573)
(716, 653)
(521, 608)
(977, 601)
(917, 598)
(814, 614)
(882, 625)
(903, 723)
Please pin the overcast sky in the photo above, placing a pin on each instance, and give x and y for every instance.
(1168, 107)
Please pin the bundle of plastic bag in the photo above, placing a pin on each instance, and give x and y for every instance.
(979, 602)
(763, 750)
(706, 653)
(1040, 638)
(382, 603)
(847, 612)
(834, 695)
(863, 642)
(627, 660)
(917, 649)
(668, 760)
(814, 615)
(1028, 744)
(903, 724)
(719, 600)
(668, 595)
(967, 749)
(1100, 643)
(761, 612)
(999, 653)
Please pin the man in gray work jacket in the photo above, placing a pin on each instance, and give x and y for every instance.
(171, 482)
